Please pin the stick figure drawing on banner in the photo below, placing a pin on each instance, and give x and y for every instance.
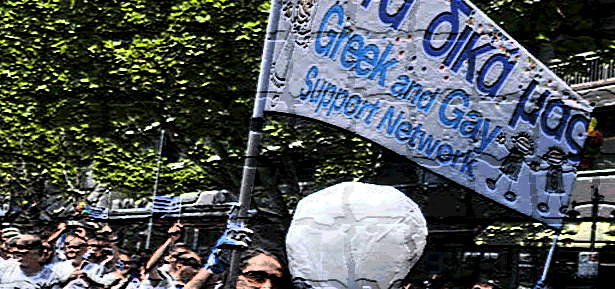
(299, 14)
(556, 158)
(513, 162)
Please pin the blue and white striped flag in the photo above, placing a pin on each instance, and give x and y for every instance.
(99, 213)
(166, 205)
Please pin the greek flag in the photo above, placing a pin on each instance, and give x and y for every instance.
(99, 213)
(166, 205)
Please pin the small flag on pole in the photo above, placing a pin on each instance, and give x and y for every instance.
(166, 205)
(99, 213)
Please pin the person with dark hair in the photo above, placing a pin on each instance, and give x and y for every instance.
(90, 274)
(57, 241)
(74, 250)
(125, 274)
(187, 266)
(156, 276)
(258, 269)
(170, 266)
(483, 283)
(81, 229)
(29, 270)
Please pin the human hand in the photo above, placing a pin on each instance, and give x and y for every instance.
(176, 230)
(235, 237)
(76, 275)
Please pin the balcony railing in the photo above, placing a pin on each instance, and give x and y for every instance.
(590, 69)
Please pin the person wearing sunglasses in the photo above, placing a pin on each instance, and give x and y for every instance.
(157, 275)
(260, 269)
(29, 270)
(89, 271)
(72, 270)
(125, 275)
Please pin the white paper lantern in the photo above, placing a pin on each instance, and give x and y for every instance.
(355, 235)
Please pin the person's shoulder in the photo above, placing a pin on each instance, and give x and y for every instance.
(9, 267)
(91, 267)
(47, 277)
(134, 284)
(164, 268)
(63, 269)
(12, 277)
(62, 265)
(110, 276)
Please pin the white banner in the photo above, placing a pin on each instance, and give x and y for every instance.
(438, 82)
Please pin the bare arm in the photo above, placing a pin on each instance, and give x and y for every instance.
(153, 260)
(199, 279)
(175, 233)
(93, 282)
(55, 236)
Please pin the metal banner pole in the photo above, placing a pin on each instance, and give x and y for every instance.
(256, 126)
(543, 278)
(151, 217)
(195, 240)
(179, 217)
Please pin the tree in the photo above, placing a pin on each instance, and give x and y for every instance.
(88, 85)
(561, 28)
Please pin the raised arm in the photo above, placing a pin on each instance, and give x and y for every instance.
(55, 236)
(175, 233)
(235, 237)
(199, 279)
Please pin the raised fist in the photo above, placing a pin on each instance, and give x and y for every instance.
(176, 230)
(235, 237)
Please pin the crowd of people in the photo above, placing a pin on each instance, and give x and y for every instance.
(79, 255)
(83, 254)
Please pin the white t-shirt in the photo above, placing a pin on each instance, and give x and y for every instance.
(12, 277)
(111, 278)
(134, 284)
(64, 270)
(168, 282)
(58, 257)
(91, 269)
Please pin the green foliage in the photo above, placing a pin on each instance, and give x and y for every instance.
(88, 85)
(91, 83)
(570, 27)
